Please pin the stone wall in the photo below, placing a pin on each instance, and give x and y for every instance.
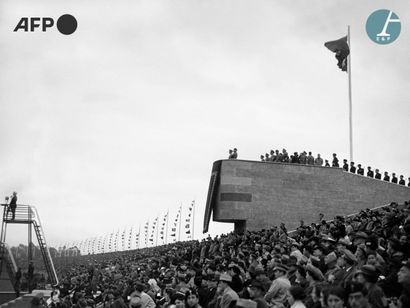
(259, 195)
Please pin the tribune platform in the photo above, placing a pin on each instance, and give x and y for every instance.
(255, 195)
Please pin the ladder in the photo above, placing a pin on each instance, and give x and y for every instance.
(27, 214)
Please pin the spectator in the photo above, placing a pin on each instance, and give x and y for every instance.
(368, 276)
(357, 295)
(295, 158)
(327, 163)
(295, 296)
(345, 165)
(146, 300)
(402, 182)
(303, 158)
(386, 177)
(335, 162)
(262, 158)
(360, 170)
(192, 299)
(227, 294)
(352, 167)
(277, 291)
(256, 292)
(285, 156)
(370, 172)
(394, 178)
(310, 159)
(378, 175)
(335, 297)
(318, 160)
(230, 154)
(272, 155)
(234, 155)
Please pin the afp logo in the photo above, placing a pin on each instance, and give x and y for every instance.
(66, 24)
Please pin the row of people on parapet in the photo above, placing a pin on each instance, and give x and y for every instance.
(374, 174)
(308, 159)
(296, 158)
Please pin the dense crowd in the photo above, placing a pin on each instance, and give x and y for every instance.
(359, 261)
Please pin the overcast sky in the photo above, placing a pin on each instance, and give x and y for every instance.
(122, 120)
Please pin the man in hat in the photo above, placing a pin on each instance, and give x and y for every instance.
(260, 276)
(378, 175)
(277, 291)
(330, 262)
(224, 288)
(370, 172)
(235, 272)
(335, 161)
(257, 292)
(146, 300)
(234, 155)
(345, 165)
(394, 178)
(403, 276)
(13, 205)
(352, 167)
(349, 268)
(386, 177)
(357, 295)
(402, 182)
(368, 276)
(360, 170)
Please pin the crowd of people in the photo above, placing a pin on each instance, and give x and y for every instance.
(359, 261)
(306, 158)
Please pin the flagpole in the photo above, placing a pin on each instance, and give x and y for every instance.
(349, 60)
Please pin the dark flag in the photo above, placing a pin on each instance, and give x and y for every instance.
(342, 50)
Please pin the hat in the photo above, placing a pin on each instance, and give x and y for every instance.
(225, 277)
(314, 272)
(331, 257)
(406, 264)
(361, 234)
(344, 241)
(259, 270)
(349, 256)
(281, 267)
(368, 271)
(246, 303)
(257, 284)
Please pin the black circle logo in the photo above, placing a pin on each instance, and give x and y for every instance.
(67, 24)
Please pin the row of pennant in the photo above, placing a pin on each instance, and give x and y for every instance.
(120, 241)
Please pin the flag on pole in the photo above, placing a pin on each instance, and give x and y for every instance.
(342, 50)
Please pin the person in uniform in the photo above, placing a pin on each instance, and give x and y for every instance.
(13, 205)
(360, 170)
(386, 177)
(345, 165)
(378, 175)
(394, 178)
(335, 162)
(402, 182)
(370, 172)
(352, 167)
